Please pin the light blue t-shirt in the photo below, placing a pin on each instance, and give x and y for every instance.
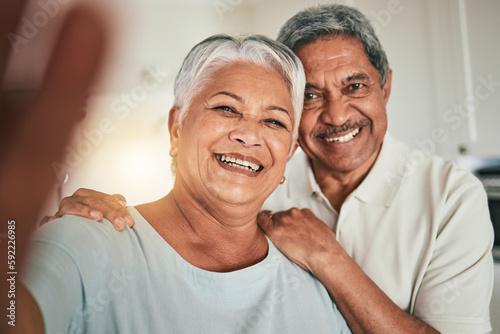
(88, 278)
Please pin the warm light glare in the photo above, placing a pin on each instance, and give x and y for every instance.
(137, 165)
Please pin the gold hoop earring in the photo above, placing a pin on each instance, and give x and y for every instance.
(283, 180)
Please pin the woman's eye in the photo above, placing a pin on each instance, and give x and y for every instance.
(225, 108)
(275, 122)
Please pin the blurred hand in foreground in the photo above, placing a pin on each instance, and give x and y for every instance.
(34, 138)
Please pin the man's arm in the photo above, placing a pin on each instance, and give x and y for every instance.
(309, 243)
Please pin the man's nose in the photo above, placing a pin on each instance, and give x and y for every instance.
(335, 113)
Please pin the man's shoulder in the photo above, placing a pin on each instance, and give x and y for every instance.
(422, 164)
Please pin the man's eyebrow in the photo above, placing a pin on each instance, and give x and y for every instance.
(234, 96)
(356, 77)
(311, 86)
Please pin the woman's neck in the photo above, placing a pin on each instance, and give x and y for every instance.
(213, 237)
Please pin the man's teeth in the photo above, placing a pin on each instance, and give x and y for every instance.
(246, 165)
(345, 138)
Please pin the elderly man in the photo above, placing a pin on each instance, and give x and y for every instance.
(412, 234)
(401, 240)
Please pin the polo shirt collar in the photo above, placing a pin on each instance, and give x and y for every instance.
(378, 188)
(302, 182)
(382, 183)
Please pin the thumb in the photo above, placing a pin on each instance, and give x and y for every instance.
(265, 221)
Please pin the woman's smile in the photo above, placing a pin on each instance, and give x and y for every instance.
(232, 160)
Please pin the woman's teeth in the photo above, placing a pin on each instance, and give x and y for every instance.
(246, 165)
(345, 138)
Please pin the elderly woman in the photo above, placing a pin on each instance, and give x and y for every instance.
(195, 261)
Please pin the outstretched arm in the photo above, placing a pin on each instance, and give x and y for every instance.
(33, 139)
(308, 242)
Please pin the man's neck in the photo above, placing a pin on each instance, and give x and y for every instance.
(338, 185)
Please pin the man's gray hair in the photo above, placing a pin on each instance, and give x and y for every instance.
(219, 51)
(334, 20)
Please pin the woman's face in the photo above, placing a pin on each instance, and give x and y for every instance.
(236, 138)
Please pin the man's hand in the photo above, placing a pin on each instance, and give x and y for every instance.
(95, 205)
(308, 242)
(301, 236)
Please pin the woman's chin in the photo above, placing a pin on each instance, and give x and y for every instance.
(247, 199)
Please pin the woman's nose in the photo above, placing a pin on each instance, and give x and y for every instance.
(247, 132)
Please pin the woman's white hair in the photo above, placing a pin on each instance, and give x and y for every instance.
(219, 51)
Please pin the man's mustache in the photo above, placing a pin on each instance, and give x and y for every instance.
(334, 129)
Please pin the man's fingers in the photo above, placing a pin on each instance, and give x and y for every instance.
(111, 207)
(84, 192)
(95, 209)
(116, 211)
(265, 220)
(70, 206)
(121, 199)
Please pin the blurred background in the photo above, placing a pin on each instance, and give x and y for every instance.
(445, 95)
(444, 55)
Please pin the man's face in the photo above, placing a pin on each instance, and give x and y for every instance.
(344, 119)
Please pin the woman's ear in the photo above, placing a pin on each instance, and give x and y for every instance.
(173, 127)
(292, 151)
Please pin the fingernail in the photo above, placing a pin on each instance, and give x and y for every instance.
(120, 223)
(130, 221)
(94, 214)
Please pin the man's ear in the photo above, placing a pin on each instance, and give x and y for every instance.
(294, 148)
(386, 91)
(174, 127)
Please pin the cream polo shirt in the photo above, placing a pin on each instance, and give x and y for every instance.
(418, 226)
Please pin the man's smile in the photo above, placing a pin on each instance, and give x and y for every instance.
(343, 139)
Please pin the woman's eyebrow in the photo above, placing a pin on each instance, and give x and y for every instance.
(234, 96)
(273, 107)
(241, 100)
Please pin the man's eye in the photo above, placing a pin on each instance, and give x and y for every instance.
(310, 96)
(354, 87)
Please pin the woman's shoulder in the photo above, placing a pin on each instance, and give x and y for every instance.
(76, 234)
